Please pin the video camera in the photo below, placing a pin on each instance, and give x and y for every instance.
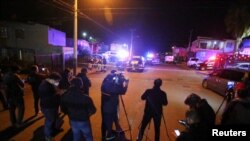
(230, 85)
(119, 79)
(230, 90)
(115, 83)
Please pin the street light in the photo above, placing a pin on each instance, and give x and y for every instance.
(84, 34)
(75, 37)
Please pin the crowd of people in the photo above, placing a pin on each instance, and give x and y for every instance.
(62, 92)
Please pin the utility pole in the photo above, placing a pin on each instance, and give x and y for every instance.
(75, 37)
(190, 38)
(189, 43)
(131, 43)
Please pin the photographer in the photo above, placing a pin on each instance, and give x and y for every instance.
(112, 87)
(237, 111)
(155, 99)
(34, 79)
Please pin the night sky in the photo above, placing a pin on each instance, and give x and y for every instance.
(157, 24)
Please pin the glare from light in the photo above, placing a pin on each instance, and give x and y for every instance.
(150, 55)
(122, 54)
(84, 34)
(212, 58)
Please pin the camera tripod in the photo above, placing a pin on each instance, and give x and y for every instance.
(228, 97)
(162, 118)
(165, 125)
(129, 126)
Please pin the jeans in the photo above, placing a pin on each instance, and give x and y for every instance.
(107, 122)
(36, 101)
(51, 116)
(3, 100)
(14, 104)
(81, 128)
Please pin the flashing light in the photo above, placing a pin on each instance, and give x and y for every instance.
(122, 54)
(150, 55)
(212, 58)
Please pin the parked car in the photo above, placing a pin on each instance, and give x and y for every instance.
(137, 63)
(218, 80)
(242, 65)
(206, 65)
(192, 62)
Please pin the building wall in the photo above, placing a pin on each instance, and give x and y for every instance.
(40, 40)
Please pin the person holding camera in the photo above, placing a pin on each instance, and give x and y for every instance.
(155, 99)
(112, 87)
(79, 107)
(237, 112)
(34, 79)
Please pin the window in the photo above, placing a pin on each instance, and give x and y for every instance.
(3, 32)
(19, 33)
(203, 45)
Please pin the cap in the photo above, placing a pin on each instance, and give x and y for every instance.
(240, 86)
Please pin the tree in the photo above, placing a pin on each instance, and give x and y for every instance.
(237, 19)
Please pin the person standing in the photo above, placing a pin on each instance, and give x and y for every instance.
(34, 79)
(64, 82)
(49, 103)
(237, 112)
(2, 92)
(110, 90)
(14, 93)
(155, 98)
(79, 107)
(85, 80)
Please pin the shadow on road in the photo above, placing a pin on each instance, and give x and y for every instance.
(10, 132)
(68, 136)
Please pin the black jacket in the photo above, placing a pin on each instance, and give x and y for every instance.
(86, 82)
(196, 132)
(77, 105)
(155, 99)
(35, 79)
(14, 85)
(206, 113)
(49, 98)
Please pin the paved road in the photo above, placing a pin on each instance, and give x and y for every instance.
(178, 82)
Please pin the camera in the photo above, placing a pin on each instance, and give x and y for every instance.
(230, 85)
(119, 79)
(115, 84)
